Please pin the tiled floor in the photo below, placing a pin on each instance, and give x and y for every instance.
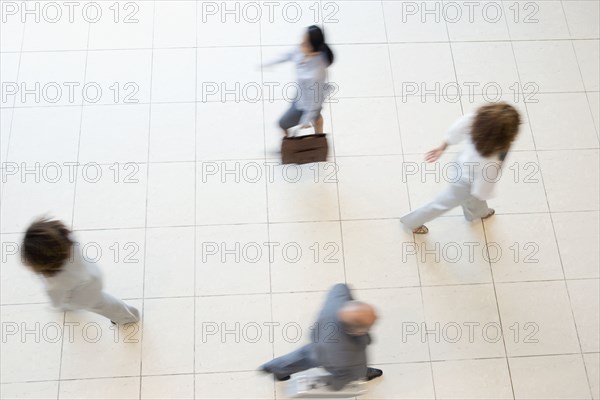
(180, 198)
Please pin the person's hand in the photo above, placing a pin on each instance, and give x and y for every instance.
(433, 155)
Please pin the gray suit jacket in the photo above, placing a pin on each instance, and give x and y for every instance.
(343, 356)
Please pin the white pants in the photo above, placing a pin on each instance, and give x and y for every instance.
(457, 194)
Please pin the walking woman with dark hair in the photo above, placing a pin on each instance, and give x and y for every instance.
(312, 59)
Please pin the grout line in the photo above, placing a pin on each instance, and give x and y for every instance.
(142, 313)
(195, 193)
(268, 224)
(74, 197)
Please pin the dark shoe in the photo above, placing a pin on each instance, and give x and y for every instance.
(267, 370)
(373, 373)
(489, 214)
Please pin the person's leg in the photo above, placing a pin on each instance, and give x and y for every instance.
(115, 310)
(290, 119)
(319, 124)
(474, 208)
(454, 195)
(296, 361)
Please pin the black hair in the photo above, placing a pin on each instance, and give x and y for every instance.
(316, 37)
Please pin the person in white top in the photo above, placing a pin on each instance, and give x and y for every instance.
(488, 135)
(72, 283)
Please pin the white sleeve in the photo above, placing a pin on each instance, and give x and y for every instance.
(289, 56)
(460, 130)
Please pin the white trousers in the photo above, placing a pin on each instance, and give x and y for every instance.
(456, 194)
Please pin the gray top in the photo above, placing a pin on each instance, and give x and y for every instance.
(311, 75)
(344, 356)
(78, 285)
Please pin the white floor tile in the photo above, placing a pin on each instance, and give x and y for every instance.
(530, 21)
(359, 178)
(402, 381)
(303, 193)
(169, 269)
(362, 70)
(545, 326)
(111, 196)
(558, 167)
(173, 75)
(421, 133)
(488, 379)
(171, 191)
(33, 351)
(378, 254)
(462, 322)
(168, 341)
(25, 185)
(577, 235)
(11, 86)
(293, 325)
(353, 136)
(550, 66)
(114, 134)
(416, 24)
(584, 295)
(284, 22)
(453, 253)
(588, 57)
(354, 22)
(483, 20)
(55, 28)
(549, 377)
(521, 186)
(219, 137)
(239, 385)
(592, 366)
(118, 77)
(19, 285)
(582, 17)
(123, 25)
(528, 253)
(555, 114)
(45, 135)
(233, 259)
(306, 256)
(63, 84)
(31, 390)
(175, 387)
(172, 132)
(11, 31)
(94, 348)
(427, 67)
(396, 339)
(232, 334)
(101, 389)
(174, 24)
(221, 184)
(486, 67)
(234, 24)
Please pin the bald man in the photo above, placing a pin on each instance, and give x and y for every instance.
(339, 341)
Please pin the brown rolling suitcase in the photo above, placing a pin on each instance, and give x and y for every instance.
(304, 149)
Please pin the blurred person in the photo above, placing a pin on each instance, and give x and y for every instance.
(488, 134)
(312, 58)
(72, 283)
(339, 340)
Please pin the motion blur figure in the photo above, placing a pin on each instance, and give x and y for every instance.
(488, 135)
(312, 59)
(72, 283)
(339, 340)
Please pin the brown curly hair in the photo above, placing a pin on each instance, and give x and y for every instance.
(46, 246)
(495, 128)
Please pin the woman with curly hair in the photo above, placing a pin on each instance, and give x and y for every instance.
(489, 134)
